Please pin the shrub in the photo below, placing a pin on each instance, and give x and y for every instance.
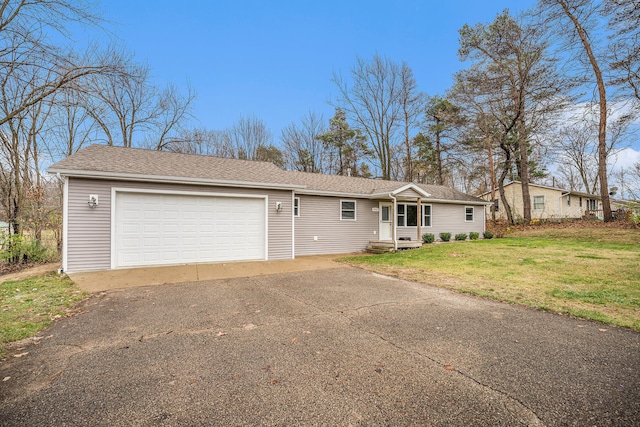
(487, 235)
(461, 236)
(428, 238)
(474, 235)
(15, 248)
(445, 237)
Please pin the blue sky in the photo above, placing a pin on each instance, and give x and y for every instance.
(275, 59)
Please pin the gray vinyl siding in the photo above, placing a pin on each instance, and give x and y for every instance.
(447, 218)
(89, 230)
(320, 216)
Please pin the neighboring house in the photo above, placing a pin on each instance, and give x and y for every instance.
(4, 227)
(127, 207)
(546, 202)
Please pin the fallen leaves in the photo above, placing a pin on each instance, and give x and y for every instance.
(20, 354)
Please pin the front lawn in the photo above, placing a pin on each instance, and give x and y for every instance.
(592, 274)
(29, 305)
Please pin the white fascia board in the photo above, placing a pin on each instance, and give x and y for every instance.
(459, 202)
(336, 194)
(171, 179)
(412, 187)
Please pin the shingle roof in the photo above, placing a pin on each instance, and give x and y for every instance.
(132, 163)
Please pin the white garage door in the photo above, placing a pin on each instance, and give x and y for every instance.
(159, 229)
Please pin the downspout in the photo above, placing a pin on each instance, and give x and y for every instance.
(393, 222)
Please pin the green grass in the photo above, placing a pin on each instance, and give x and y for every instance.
(592, 273)
(29, 305)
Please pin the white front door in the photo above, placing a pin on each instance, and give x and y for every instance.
(385, 221)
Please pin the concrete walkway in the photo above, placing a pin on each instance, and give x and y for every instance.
(99, 281)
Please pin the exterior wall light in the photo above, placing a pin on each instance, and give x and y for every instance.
(278, 206)
(93, 201)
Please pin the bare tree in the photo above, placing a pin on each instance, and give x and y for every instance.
(412, 105)
(372, 100)
(246, 136)
(624, 46)
(122, 104)
(302, 149)
(576, 22)
(171, 110)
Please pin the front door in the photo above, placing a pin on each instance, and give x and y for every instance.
(385, 221)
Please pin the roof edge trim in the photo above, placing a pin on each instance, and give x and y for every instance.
(171, 179)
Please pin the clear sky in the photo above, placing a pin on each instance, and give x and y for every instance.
(275, 59)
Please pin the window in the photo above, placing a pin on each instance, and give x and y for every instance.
(426, 215)
(580, 201)
(408, 215)
(296, 206)
(496, 206)
(412, 215)
(468, 213)
(568, 199)
(538, 203)
(401, 215)
(347, 210)
(386, 213)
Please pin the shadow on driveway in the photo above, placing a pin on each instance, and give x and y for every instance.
(338, 346)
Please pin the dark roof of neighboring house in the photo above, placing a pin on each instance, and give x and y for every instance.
(575, 193)
(106, 162)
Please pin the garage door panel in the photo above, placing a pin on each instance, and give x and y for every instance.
(156, 229)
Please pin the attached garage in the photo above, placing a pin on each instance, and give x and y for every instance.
(159, 228)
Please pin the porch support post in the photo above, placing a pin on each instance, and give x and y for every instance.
(419, 213)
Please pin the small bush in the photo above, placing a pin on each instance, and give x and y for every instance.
(15, 249)
(474, 235)
(445, 237)
(461, 236)
(487, 235)
(428, 238)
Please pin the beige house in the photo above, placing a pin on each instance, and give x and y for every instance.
(546, 202)
(126, 207)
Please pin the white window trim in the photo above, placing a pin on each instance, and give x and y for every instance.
(544, 203)
(420, 216)
(473, 214)
(430, 216)
(355, 210)
(296, 201)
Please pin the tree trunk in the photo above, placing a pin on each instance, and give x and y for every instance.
(524, 171)
(492, 173)
(503, 176)
(602, 126)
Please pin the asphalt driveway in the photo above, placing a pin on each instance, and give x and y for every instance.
(339, 346)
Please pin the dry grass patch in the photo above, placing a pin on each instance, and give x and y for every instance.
(592, 273)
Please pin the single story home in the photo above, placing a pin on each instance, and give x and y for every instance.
(546, 202)
(126, 207)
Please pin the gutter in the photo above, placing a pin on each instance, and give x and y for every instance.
(393, 221)
(171, 179)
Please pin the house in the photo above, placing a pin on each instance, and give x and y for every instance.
(4, 228)
(546, 202)
(126, 207)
